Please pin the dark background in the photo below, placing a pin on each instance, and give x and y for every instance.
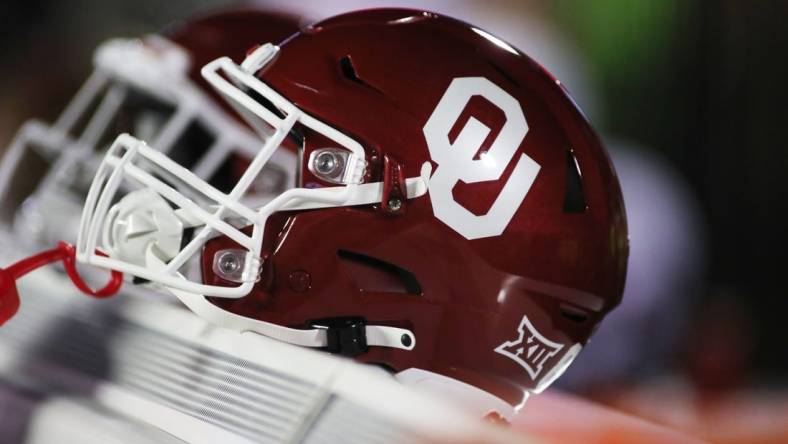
(705, 83)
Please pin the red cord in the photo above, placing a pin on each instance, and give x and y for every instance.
(67, 253)
(112, 287)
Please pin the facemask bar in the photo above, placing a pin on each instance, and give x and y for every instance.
(118, 64)
(254, 112)
(56, 142)
(119, 164)
(156, 68)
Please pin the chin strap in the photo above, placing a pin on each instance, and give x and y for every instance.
(345, 336)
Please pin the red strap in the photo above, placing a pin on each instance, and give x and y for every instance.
(69, 261)
(31, 263)
(9, 296)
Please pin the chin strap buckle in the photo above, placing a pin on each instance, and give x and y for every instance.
(344, 336)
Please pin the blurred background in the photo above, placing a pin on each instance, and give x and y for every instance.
(689, 97)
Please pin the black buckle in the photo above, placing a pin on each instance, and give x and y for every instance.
(345, 336)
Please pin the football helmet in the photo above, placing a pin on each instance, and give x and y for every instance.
(455, 220)
(151, 87)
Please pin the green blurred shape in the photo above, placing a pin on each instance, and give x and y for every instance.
(616, 35)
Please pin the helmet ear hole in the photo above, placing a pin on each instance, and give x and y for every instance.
(373, 275)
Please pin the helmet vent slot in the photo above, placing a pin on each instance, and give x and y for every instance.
(350, 72)
(573, 314)
(372, 275)
(574, 199)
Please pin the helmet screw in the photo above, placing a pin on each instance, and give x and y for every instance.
(326, 162)
(406, 340)
(229, 263)
(395, 204)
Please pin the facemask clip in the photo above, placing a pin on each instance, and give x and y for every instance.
(395, 190)
(236, 265)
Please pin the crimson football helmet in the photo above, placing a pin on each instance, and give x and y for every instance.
(153, 88)
(455, 218)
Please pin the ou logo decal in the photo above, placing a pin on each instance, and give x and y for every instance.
(456, 160)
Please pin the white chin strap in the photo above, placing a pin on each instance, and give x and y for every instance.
(376, 335)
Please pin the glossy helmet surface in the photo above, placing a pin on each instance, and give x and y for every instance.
(455, 214)
(150, 87)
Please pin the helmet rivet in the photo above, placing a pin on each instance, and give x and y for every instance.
(406, 340)
(300, 281)
(395, 204)
(326, 162)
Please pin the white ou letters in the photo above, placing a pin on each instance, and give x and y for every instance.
(456, 160)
